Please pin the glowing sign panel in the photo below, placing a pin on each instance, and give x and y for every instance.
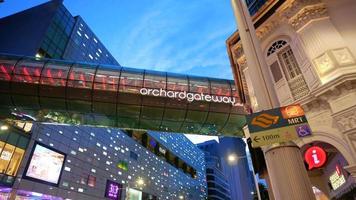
(337, 179)
(315, 157)
(113, 190)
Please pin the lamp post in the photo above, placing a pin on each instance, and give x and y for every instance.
(232, 159)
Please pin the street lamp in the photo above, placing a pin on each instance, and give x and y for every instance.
(232, 159)
(181, 197)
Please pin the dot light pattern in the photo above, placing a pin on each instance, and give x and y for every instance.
(85, 157)
(106, 95)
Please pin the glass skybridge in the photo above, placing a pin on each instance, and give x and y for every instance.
(59, 91)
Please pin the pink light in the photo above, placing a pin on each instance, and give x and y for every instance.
(4, 71)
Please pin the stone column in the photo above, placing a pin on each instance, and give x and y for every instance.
(287, 173)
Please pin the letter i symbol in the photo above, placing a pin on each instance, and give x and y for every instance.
(315, 157)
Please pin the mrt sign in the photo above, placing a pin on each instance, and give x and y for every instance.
(277, 125)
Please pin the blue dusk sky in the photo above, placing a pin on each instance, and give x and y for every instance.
(183, 36)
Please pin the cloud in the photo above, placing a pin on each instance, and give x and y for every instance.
(178, 37)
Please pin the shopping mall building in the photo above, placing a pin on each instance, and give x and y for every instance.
(310, 49)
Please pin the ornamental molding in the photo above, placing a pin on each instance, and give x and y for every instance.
(346, 121)
(270, 26)
(306, 13)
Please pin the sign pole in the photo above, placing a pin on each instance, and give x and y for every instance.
(285, 166)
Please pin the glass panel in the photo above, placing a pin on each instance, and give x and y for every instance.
(199, 85)
(55, 74)
(53, 103)
(28, 71)
(23, 141)
(170, 126)
(104, 96)
(220, 87)
(6, 67)
(196, 116)
(107, 79)
(128, 111)
(191, 128)
(104, 108)
(81, 76)
(155, 80)
(150, 124)
(177, 82)
(127, 122)
(152, 112)
(276, 72)
(15, 162)
(131, 80)
(5, 157)
(174, 114)
(13, 137)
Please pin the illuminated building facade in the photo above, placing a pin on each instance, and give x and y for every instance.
(310, 49)
(227, 179)
(58, 35)
(81, 162)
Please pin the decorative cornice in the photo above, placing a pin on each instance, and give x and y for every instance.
(308, 14)
(346, 121)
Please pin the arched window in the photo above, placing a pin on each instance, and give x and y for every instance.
(275, 46)
(285, 65)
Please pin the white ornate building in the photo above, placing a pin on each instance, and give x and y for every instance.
(310, 49)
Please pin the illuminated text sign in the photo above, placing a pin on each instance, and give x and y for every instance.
(190, 97)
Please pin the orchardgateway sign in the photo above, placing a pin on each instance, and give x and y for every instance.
(277, 125)
(190, 97)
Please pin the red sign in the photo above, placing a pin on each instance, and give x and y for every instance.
(315, 157)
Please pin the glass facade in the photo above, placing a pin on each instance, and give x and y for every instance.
(13, 144)
(77, 93)
(83, 45)
(57, 35)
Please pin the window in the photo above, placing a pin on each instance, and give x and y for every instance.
(275, 46)
(276, 72)
(289, 63)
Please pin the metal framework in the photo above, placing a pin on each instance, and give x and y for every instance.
(106, 95)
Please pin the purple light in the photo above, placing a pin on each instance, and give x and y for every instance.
(113, 190)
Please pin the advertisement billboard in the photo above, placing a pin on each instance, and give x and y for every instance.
(45, 165)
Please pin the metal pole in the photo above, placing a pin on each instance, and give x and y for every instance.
(256, 182)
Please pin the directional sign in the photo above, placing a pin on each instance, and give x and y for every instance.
(277, 125)
(283, 134)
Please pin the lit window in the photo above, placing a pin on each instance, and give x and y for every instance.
(80, 190)
(102, 52)
(79, 33)
(93, 170)
(86, 35)
(95, 40)
(67, 169)
(80, 149)
(91, 57)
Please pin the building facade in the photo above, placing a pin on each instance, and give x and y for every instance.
(218, 186)
(228, 179)
(80, 162)
(310, 49)
(59, 35)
